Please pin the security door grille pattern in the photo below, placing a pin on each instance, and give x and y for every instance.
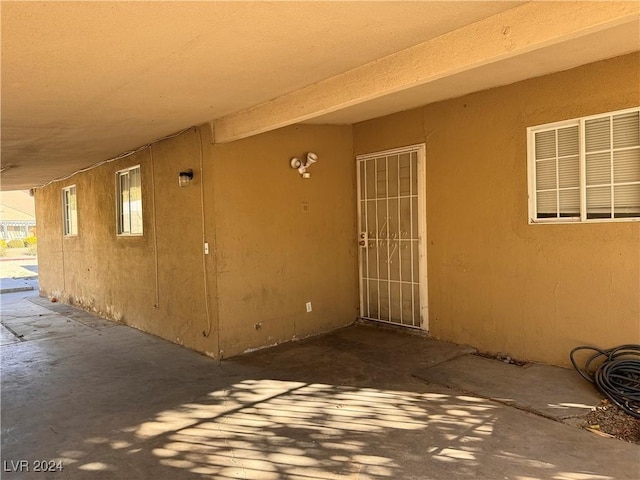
(389, 237)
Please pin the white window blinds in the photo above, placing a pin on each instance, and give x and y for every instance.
(558, 172)
(586, 169)
(70, 210)
(129, 201)
(612, 145)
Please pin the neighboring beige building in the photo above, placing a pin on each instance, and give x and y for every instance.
(463, 187)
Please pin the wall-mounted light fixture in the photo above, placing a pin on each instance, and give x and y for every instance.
(302, 167)
(184, 178)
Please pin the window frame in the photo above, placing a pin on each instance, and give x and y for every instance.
(531, 171)
(120, 231)
(66, 211)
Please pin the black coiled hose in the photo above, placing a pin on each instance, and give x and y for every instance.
(617, 375)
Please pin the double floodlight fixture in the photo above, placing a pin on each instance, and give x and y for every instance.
(302, 167)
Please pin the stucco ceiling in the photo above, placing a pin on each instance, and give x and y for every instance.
(85, 81)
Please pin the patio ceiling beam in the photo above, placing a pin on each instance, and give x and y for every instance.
(520, 30)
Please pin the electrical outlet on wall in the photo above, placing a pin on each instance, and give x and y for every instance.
(308, 305)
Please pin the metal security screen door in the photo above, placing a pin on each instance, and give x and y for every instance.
(392, 238)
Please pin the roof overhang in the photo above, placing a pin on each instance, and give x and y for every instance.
(85, 81)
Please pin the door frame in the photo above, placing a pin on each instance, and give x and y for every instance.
(420, 148)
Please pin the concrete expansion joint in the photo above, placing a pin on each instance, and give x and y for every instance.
(506, 403)
(545, 391)
(15, 317)
(449, 357)
(14, 333)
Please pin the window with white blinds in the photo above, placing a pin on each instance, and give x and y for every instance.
(585, 169)
(70, 210)
(129, 186)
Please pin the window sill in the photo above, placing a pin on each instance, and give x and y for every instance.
(569, 221)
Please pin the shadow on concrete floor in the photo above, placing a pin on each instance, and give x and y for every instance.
(12, 285)
(31, 268)
(111, 402)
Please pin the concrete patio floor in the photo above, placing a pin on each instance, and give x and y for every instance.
(111, 402)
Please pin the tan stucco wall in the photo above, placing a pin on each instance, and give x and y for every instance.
(495, 282)
(278, 241)
(116, 275)
(273, 256)
(267, 258)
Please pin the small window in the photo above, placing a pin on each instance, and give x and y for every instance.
(586, 169)
(129, 201)
(70, 210)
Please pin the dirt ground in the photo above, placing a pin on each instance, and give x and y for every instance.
(606, 420)
(611, 421)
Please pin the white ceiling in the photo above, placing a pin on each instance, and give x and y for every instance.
(85, 81)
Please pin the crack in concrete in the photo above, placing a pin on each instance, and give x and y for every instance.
(14, 333)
